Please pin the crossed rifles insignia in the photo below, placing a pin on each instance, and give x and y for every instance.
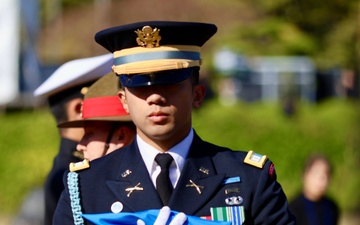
(132, 189)
(197, 187)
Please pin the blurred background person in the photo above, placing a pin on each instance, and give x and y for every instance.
(63, 92)
(312, 206)
(106, 124)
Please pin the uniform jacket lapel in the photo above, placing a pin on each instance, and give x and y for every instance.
(198, 168)
(133, 172)
(189, 197)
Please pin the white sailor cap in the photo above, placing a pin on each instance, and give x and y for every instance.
(75, 73)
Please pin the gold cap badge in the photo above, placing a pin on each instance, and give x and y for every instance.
(148, 37)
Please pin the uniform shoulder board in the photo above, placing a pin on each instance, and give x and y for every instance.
(255, 159)
(78, 154)
(79, 165)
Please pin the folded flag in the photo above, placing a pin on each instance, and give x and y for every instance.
(148, 216)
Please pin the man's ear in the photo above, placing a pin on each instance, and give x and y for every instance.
(199, 95)
(123, 100)
(74, 109)
(123, 136)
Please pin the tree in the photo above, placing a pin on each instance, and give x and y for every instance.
(323, 30)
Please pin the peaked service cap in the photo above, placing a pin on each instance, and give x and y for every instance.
(101, 103)
(161, 52)
(75, 73)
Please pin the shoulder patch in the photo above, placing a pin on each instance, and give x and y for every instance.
(79, 165)
(255, 159)
(272, 172)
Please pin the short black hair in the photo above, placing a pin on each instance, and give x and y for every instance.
(195, 76)
(59, 112)
(58, 102)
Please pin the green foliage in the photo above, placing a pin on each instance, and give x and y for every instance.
(29, 141)
(327, 31)
(66, 3)
(28, 144)
(271, 36)
(330, 128)
(71, 3)
(324, 30)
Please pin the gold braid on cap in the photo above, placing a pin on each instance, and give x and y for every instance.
(152, 57)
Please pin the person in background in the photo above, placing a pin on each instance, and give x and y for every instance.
(63, 92)
(312, 206)
(106, 124)
(168, 164)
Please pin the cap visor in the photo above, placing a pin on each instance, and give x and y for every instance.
(156, 78)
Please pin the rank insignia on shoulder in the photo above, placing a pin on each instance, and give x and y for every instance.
(255, 159)
(78, 154)
(79, 165)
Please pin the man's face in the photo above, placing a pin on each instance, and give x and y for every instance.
(93, 142)
(162, 113)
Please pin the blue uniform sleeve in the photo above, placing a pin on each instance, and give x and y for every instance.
(270, 205)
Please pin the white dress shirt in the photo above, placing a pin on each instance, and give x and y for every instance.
(178, 152)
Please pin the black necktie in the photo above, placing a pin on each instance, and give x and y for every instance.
(163, 183)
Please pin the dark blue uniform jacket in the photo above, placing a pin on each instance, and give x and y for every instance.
(54, 182)
(103, 184)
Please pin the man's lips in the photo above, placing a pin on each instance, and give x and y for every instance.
(158, 117)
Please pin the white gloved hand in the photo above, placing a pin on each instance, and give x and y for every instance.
(140, 222)
(163, 217)
(179, 219)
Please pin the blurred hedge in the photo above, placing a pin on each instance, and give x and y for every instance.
(331, 128)
(29, 142)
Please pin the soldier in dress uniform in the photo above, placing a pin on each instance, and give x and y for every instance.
(106, 124)
(63, 92)
(168, 164)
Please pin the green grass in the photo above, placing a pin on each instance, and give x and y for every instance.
(29, 141)
(28, 144)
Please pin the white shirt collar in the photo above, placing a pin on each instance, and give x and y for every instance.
(178, 152)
